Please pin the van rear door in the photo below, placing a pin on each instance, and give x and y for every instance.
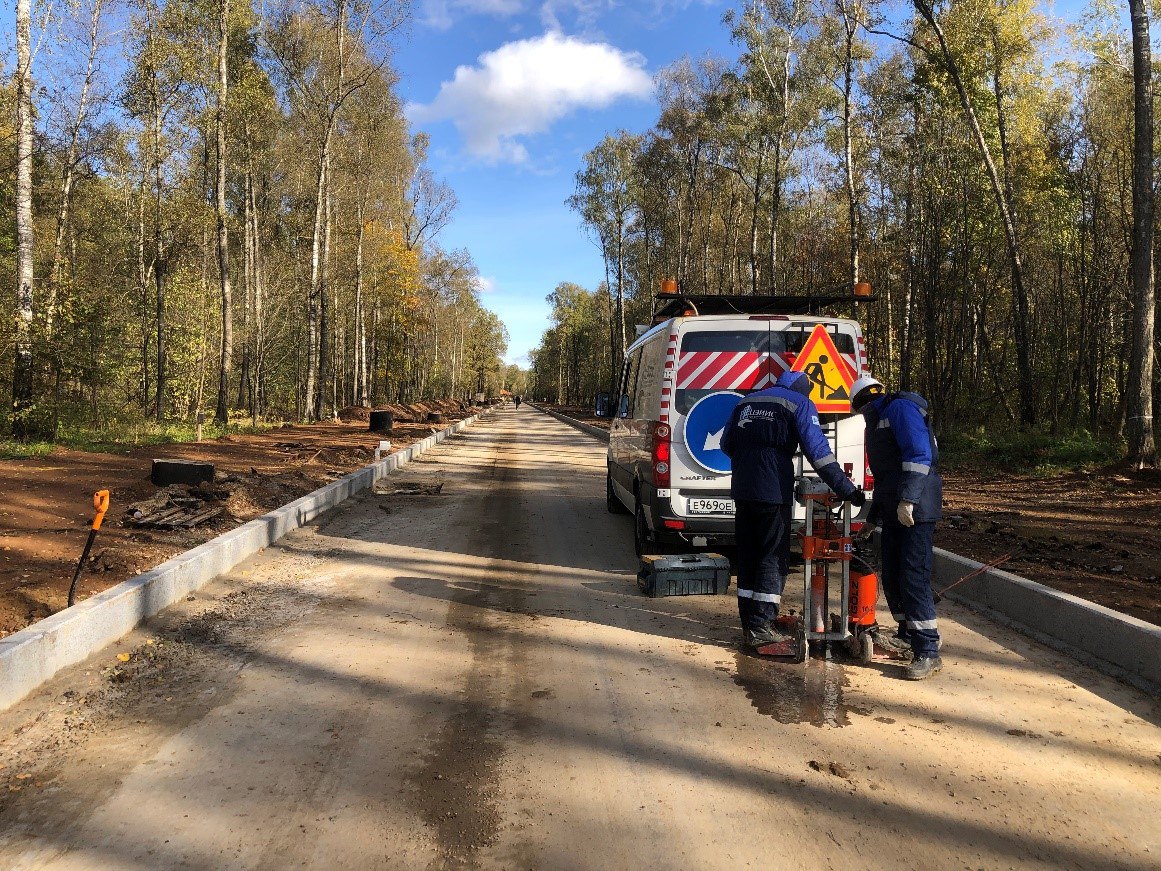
(741, 355)
(726, 356)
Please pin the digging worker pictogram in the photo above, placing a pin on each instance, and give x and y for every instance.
(908, 501)
(761, 439)
(816, 372)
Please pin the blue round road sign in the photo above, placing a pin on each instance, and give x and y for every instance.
(704, 426)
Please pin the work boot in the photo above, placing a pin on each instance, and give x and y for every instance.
(894, 642)
(763, 635)
(924, 667)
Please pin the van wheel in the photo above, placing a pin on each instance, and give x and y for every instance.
(641, 541)
(611, 501)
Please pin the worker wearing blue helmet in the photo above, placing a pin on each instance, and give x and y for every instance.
(904, 456)
(761, 439)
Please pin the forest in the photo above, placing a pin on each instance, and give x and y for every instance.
(220, 211)
(986, 167)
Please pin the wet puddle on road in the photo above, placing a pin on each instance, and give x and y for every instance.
(796, 693)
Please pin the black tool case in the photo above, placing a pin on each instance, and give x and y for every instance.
(689, 574)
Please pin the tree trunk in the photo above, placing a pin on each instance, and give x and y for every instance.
(1139, 420)
(326, 346)
(1026, 387)
(849, 27)
(258, 390)
(312, 330)
(222, 412)
(755, 207)
(159, 269)
(245, 386)
(361, 379)
(22, 373)
(621, 283)
(143, 289)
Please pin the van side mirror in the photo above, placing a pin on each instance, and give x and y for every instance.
(604, 405)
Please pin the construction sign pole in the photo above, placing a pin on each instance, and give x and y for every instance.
(100, 505)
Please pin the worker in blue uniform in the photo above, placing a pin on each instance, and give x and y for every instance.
(761, 438)
(908, 500)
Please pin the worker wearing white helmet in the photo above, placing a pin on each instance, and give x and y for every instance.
(908, 498)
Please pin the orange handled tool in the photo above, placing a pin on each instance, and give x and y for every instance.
(100, 506)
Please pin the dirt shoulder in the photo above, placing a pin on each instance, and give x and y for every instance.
(45, 516)
(1096, 535)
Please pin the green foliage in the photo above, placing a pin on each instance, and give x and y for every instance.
(1039, 453)
(396, 317)
(115, 436)
(742, 187)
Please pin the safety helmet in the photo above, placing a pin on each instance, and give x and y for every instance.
(864, 390)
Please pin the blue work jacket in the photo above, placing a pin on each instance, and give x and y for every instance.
(764, 433)
(904, 456)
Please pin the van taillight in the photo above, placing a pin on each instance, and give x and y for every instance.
(661, 455)
(868, 478)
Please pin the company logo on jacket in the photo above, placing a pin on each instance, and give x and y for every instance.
(750, 412)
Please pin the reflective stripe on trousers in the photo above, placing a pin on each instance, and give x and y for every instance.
(762, 533)
(907, 557)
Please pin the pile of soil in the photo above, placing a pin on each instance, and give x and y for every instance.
(414, 412)
(45, 520)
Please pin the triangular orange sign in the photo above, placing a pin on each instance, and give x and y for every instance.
(830, 375)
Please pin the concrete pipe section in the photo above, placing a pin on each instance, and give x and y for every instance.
(467, 676)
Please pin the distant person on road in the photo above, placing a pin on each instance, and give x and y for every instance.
(761, 439)
(517, 400)
(908, 501)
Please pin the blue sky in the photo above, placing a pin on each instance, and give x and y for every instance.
(538, 84)
(513, 93)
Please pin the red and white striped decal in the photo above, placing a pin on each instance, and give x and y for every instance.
(667, 382)
(728, 370)
(864, 361)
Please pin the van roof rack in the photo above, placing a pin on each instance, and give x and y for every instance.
(673, 305)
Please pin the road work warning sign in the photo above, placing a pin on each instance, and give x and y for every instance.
(830, 375)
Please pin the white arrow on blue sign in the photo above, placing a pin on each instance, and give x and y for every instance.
(704, 426)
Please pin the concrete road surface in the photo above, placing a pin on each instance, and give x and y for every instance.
(471, 680)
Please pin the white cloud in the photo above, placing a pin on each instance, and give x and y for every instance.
(441, 14)
(523, 87)
(486, 285)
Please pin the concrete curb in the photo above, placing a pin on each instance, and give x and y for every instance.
(1109, 641)
(31, 656)
(587, 428)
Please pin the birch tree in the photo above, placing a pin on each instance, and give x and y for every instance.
(23, 390)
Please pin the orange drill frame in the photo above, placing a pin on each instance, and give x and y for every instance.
(825, 543)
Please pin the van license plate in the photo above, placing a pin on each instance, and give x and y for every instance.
(711, 506)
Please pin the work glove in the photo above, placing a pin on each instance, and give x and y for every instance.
(858, 498)
(906, 513)
(866, 534)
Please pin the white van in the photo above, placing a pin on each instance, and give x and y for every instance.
(681, 380)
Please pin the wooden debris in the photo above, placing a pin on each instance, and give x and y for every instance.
(178, 516)
(417, 490)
